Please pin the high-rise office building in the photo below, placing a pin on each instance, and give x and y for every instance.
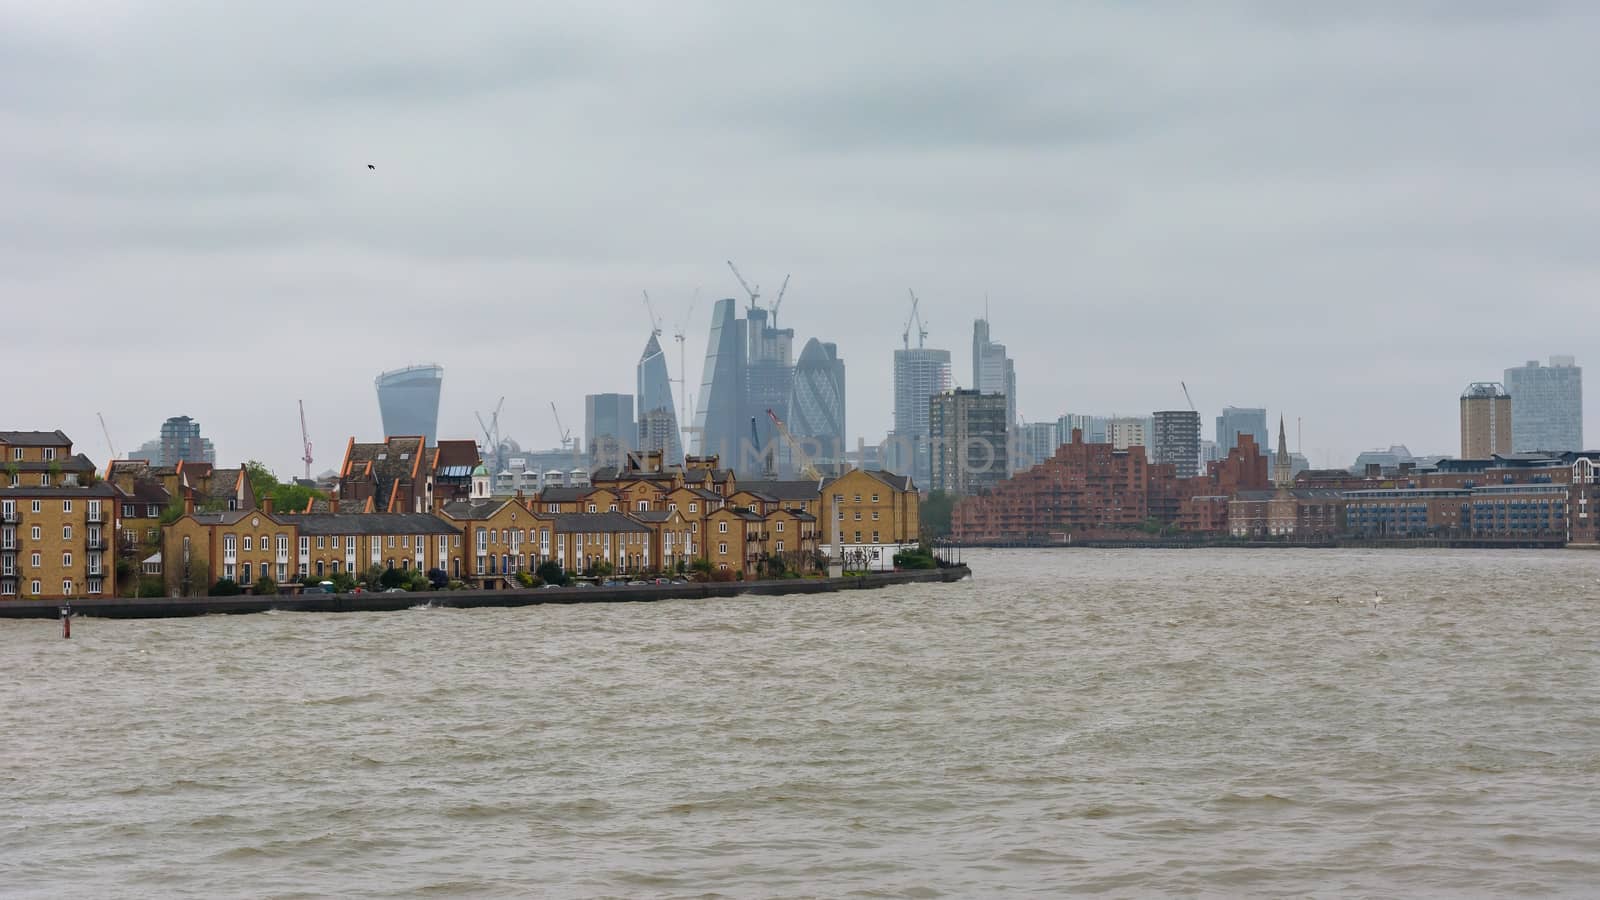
(1095, 428)
(658, 418)
(1546, 405)
(181, 441)
(1175, 440)
(816, 409)
(408, 401)
(1036, 442)
(920, 373)
(993, 372)
(1129, 431)
(1485, 420)
(717, 421)
(968, 439)
(1237, 420)
(608, 428)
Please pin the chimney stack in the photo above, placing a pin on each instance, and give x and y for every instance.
(266, 505)
(188, 501)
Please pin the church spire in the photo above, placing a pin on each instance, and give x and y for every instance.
(1283, 465)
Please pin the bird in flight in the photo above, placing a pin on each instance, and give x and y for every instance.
(372, 167)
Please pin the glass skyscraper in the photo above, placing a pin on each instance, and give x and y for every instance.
(817, 406)
(717, 421)
(408, 401)
(658, 419)
(1236, 420)
(1546, 405)
(608, 428)
(920, 373)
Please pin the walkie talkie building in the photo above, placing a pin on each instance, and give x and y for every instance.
(408, 401)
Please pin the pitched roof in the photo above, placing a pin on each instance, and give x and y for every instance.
(453, 455)
(654, 515)
(784, 490)
(34, 438)
(560, 494)
(372, 523)
(147, 491)
(235, 516)
(224, 483)
(100, 489)
(77, 462)
(462, 510)
(596, 522)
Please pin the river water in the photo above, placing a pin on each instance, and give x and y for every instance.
(1126, 722)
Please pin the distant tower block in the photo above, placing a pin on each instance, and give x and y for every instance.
(408, 401)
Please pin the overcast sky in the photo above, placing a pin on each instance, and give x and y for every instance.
(1344, 212)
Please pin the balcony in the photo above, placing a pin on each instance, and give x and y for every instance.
(94, 518)
(10, 517)
(95, 543)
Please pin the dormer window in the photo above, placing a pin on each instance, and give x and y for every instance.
(382, 456)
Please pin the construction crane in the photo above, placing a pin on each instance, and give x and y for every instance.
(802, 461)
(922, 328)
(566, 433)
(655, 320)
(755, 293)
(305, 440)
(491, 435)
(107, 432)
(680, 336)
(755, 435)
(1187, 397)
(779, 302)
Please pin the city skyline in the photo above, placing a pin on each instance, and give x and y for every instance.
(1199, 193)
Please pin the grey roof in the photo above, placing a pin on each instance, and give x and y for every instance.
(233, 517)
(74, 463)
(597, 522)
(65, 492)
(147, 491)
(372, 523)
(653, 515)
(563, 494)
(474, 509)
(34, 438)
(703, 493)
(783, 490)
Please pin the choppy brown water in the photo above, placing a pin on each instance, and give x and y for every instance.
(1135, 723)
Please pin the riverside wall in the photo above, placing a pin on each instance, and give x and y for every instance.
(174, 607)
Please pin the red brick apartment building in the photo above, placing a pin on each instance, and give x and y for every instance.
(1093, 487)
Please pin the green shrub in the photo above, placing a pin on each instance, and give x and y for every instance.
(265, 585)
(225, 587)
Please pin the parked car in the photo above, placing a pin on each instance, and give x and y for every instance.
(396, 591)
(636, 583)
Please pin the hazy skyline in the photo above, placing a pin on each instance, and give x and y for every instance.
(1344, 214)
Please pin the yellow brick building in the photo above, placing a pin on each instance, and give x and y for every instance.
(56, 520)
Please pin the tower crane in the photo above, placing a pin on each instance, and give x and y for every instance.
(679, 335)
(107, 432)
(779, 302)
(491, 433)
(655, 320)
(922, 328)
(1186, 396)
(802, 462)
(305, 440)
(566, 433)
(754, 292)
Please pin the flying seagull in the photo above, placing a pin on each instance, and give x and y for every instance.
(371, 166)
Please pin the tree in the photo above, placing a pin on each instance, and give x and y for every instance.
(373, 577)
(550, 572)
(418, 582)
(285, 497)
(936, 513)
(174, 510)
(343, 582)
(225, 587)
(919, 558)
(602, 569)
(150, 586)
(393, 578)
(702, 565)
(265, 585)
(438, 578)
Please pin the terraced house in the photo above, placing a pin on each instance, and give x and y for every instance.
(55, 520)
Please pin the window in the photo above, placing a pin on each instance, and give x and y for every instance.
(66, 532)
(246, 542)
(127, 510)
(672, 507)
(858, 498)
(320, 539)
(779, 527)
(875, 537)
(36, 506)
(722, 527)
(49, 453)
(780, 546)
(66, 506)
(858, 537)
(44, 479)
(37, 562)
(391, 541)
(613, 508)
(66, 560)
(874, 498)
(66, 586)
(693, 507)
(593, 508)
(151, 511)
(694, 527)
(723, 549)
(858, 515)
(38, 533)
(874, 515)
(16, 453)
